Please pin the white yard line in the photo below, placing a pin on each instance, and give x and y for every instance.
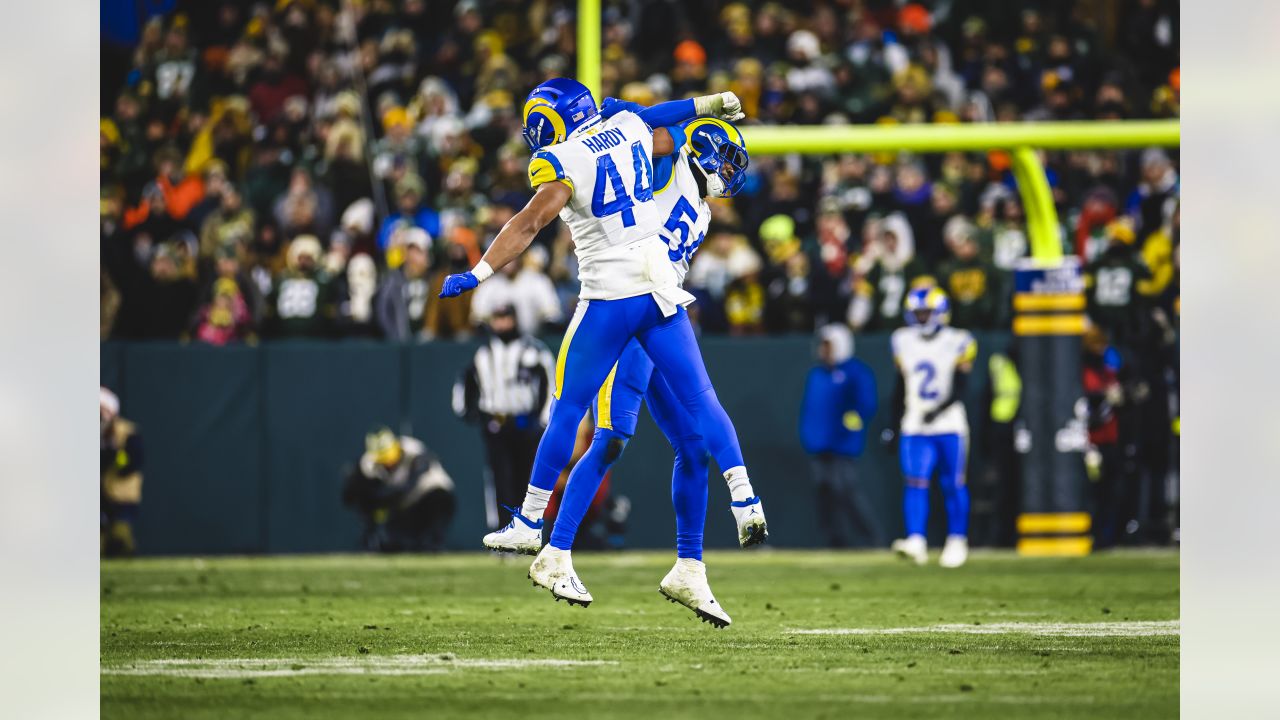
(361, 665)
(1155, 628)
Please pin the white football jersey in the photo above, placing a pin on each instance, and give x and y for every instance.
(685, 214)
(612, 216)
(928, 367)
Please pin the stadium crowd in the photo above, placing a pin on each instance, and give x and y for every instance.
(313, 168)
(310, 168)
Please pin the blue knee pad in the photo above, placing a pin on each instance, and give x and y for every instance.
(607, 446)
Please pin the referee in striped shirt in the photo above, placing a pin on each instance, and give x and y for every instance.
(507, 390)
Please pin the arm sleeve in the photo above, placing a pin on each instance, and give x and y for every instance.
(968, 351)
(678, 135)
(958, 385)
(664, 114)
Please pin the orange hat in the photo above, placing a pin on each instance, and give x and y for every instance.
(1175, 79)
(690, 52)
(915, 17)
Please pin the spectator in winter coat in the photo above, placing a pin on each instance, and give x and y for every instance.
(225, 319)
(975, 286)
(523, 286)
(301, 300)
(231, 224)
(401, 302)
(409, 192)
(883, 274)
(356, 298)
(839, 402)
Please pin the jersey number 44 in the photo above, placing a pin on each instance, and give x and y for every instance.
(609, 181)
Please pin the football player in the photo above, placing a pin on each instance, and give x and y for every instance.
(710, 161)
(933, 362)
(597, 174)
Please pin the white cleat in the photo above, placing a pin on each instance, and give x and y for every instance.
(553, 570)
(749, 514)
(521, 535)
(686, 584)
(955, 552)
(913, 548)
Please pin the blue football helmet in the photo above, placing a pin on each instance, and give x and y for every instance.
(928, 307)
(720, 152)
(554, 110)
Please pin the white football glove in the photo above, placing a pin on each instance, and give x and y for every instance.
(725, 106)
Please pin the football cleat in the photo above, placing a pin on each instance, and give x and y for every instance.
(749, 514)
(553, 570)
(913, 548)
(686, 585)
(955, 552)
(521, 535)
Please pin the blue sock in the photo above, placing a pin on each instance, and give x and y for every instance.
(955, 496)
(915, 505)
(556, 446)
(689, 496)
(584, 482)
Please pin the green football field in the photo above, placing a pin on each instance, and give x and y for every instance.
(814, 634)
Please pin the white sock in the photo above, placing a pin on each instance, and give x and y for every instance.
(690, 564)
(535, 503)
(739, 484)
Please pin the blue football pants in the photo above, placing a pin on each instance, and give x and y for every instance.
(617, 409)
(597, 336)
(920, 455)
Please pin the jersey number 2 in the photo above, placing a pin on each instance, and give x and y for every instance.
(927, 390)
(606, 171)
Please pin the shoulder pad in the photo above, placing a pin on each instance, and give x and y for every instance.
(545, 167)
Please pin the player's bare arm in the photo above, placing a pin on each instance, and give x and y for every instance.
(663, 143)
(514, 237)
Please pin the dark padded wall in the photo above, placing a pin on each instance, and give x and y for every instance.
(245, 446)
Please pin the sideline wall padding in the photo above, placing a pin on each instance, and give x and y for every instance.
(245, 447)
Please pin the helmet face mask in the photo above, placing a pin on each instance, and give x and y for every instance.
(927, 308)
(718, 152)
(554, 110)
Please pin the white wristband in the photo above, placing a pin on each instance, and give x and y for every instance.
(704, 105)
(482, 271)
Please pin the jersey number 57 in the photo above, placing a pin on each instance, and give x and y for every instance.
(678, 245)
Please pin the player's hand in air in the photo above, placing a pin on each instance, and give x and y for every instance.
(455, 285)
(725, 106)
